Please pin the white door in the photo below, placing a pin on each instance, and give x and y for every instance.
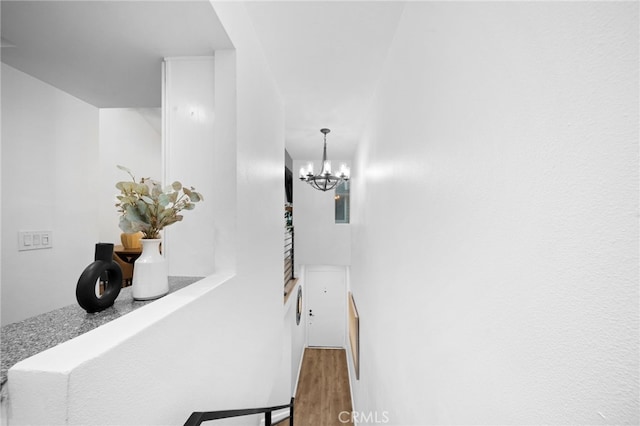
(326, 295)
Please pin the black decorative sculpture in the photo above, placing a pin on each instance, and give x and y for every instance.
(105, 270)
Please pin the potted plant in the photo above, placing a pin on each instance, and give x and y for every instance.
(145, 206)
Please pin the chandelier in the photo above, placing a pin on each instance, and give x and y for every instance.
(325, 180)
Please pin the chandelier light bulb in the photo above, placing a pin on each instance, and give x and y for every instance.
(327, 167)
(344, 171)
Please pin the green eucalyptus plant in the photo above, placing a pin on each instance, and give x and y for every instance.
(146, 206)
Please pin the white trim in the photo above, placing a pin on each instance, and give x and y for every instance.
(164, 141)
(276, 416)
(190, 58)
(351, 376)
(295, 388)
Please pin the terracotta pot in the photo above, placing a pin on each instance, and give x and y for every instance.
(131, 241)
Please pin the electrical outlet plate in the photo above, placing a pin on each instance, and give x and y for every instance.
(34, 240)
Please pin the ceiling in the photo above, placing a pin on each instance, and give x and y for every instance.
(107, 53)
(326, 56)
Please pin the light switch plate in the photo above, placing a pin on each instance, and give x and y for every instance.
(34, 240)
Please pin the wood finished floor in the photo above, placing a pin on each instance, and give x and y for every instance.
(323, 390)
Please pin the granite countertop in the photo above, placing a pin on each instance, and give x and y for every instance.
(33, 335)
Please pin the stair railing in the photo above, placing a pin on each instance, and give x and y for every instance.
(288, 254)
(197, 417)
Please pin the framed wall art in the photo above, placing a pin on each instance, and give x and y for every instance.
(354, 334)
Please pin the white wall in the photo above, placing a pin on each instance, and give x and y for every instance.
(225, 158)
(130, 137)
(298, 333)
(293, 344)
(495, 240)
(49, 182)
(283, 389)
(319, 240)
(189, 157)
(152, 366)
(259, 195)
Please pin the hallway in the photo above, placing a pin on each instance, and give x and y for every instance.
(493, 243)
(323, 390)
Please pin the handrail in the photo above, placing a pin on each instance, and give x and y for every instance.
(197, 417)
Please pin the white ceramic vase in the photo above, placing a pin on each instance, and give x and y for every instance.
(150, 273)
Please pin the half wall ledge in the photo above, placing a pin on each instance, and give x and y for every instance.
(31, 336)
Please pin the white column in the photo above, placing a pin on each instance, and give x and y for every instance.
(188, 157)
